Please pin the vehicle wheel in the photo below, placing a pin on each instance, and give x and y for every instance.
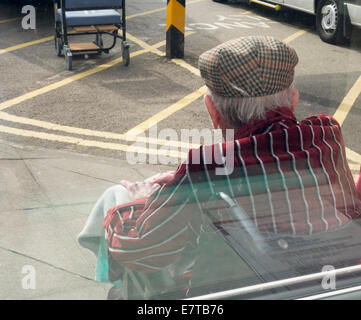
(329, 21)
(221, 1)
(126, 56)
(69, 61)
(58, 46)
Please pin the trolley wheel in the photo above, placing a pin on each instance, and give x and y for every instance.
(126, 55)
(58, 46)
(69, 61)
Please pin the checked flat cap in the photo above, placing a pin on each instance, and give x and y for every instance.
(252, 66)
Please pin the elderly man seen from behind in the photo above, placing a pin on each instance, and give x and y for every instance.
(290, 183)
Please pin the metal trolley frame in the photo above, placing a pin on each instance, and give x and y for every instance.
(89, 21)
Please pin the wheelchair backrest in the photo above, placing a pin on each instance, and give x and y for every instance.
(91, 4)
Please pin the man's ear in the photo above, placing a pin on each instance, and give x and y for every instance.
(213, 112)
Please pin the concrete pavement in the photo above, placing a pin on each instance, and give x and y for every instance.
(45, 198)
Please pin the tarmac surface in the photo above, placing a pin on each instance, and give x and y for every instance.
(63, 134)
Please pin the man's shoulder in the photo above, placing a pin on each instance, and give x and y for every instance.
(321, 120)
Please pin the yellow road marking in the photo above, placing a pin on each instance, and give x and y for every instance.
(91, 143)
(66, 81)
(158, 10)
(187, 66)
(25, 44)
(294, 36)
(165, 113)
(144, 13)
(80, 131)
(354, 160)
(151, 48)
(94, 133)
(10, 20)
(348, 102)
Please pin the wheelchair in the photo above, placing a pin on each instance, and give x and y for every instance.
(239, 255)
(89, 17)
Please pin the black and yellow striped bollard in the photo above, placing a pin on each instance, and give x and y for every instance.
(176, 13)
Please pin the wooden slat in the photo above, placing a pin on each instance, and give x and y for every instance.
(107, 28)
(94, 28)
(85, 29)
(83, 46)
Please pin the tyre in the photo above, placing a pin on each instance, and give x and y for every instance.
(58, 46)
(58, 43)
(221, 1)
(69, 61)
(329, 21)
(126, 57)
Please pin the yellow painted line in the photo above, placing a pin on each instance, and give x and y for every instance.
(294, 36)
(149, 47)
(165, 113)
(66, 81)
(80, 131)
(10, 20)
(187, 66)
(93, 133)
(145, 45)
(354, 160)
(158, 10)
(26, 44)
(145, 13)
(347, 103)
(91, 143)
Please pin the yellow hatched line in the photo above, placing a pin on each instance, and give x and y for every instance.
(354, 162)
(51, 126)
(294, 36)
(165, 113)
(66, 81)
(91, 143)
(10, 20)
(26, 44)
(348, 102)
(93, 133)
(158, 10)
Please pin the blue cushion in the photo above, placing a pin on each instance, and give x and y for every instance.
(92, 4)
(90, 17)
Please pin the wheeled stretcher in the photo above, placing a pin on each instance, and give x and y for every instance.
(89, 17)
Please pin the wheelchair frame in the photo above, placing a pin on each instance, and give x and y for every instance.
(61, 39)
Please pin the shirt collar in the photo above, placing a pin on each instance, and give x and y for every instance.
(273, 116)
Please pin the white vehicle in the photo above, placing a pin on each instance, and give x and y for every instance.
(334, 18)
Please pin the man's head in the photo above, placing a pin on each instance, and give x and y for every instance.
(247, 77)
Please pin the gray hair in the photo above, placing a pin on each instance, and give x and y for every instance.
(237, 111)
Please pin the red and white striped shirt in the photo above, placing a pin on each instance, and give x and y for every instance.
(290, 178)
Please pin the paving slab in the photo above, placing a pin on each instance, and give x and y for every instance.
(46, 196)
